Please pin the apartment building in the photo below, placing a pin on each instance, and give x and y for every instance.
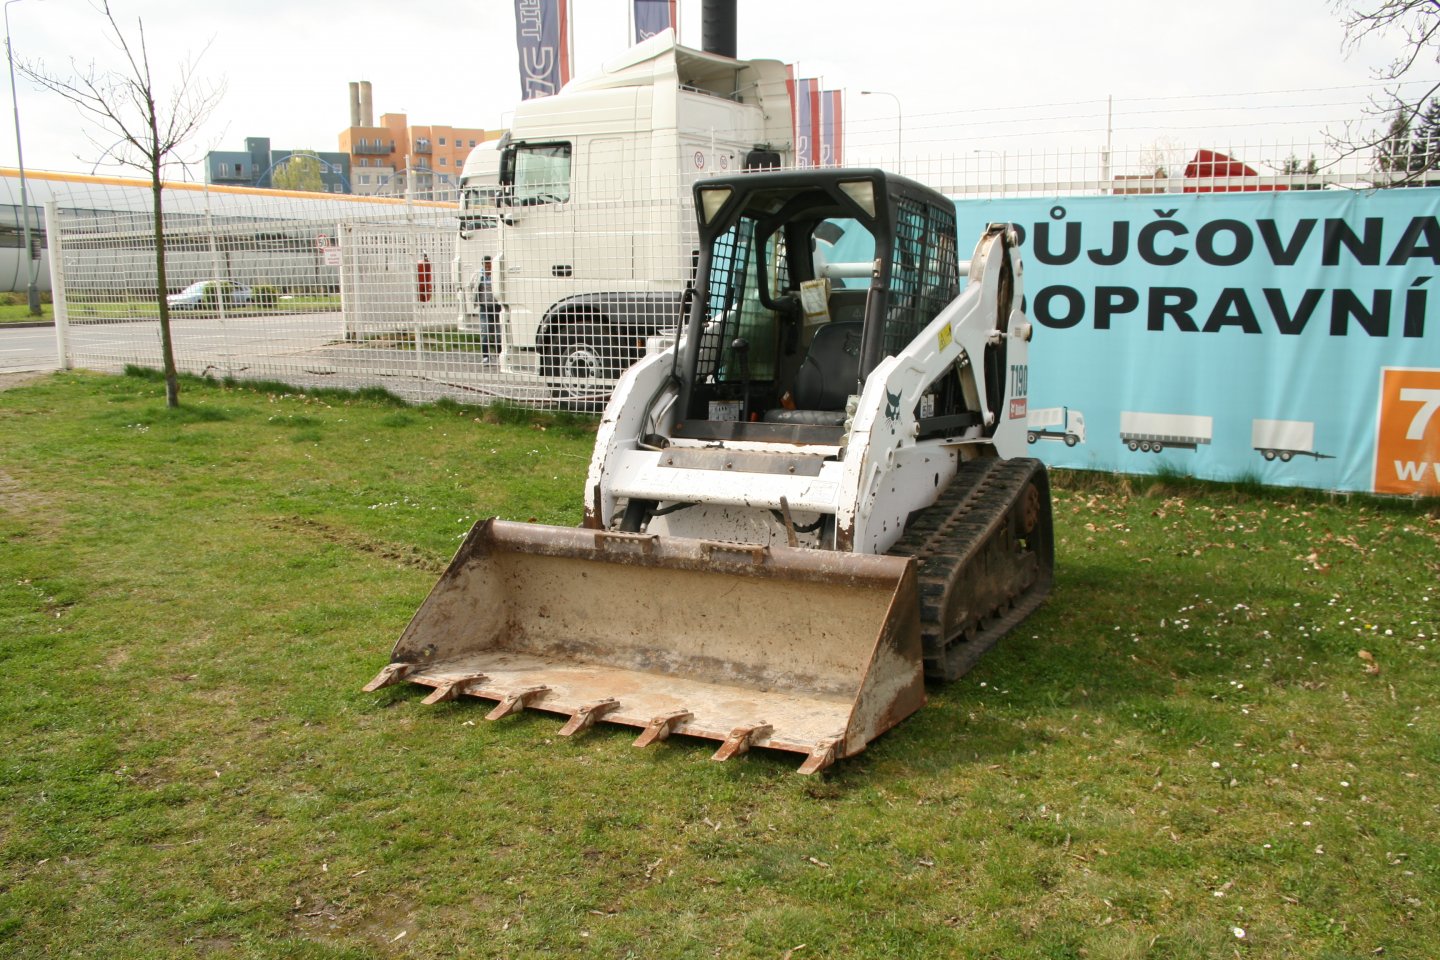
(257, 165)
(392, 156)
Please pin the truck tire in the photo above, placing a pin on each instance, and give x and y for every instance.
(1156, 446)
(1030, 436)
(1133, 445)
(1285, 456)
(1071, 439)
(580, 363)
(1268, 454)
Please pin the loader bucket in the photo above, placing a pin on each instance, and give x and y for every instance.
(811, 651)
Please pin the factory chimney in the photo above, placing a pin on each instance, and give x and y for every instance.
(354, 104)
(367, 115)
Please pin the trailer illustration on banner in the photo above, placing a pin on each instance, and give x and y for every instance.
(1153, 432)
(1055, 423)
(1285, 439)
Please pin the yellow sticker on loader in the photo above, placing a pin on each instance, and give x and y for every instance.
(945, 336)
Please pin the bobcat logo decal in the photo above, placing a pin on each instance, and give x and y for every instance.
(892, 406)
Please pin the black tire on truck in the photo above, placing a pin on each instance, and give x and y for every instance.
(580, 362)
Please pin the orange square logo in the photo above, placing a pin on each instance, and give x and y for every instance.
(1407, 449)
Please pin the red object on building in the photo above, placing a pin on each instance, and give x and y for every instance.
(1210, 164)
(424, 279)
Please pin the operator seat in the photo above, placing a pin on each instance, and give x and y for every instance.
(827, 378)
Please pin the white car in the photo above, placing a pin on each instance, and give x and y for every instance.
(205, 295)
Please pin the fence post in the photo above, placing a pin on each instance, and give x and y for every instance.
(348, 302)
(219, 282)
(57, 285)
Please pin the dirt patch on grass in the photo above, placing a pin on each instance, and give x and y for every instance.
(8, 380)
(406, 556)
(20, 500)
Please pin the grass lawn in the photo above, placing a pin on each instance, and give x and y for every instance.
(83, 309)
(20, 313)
(142, 309)
(1219, 738)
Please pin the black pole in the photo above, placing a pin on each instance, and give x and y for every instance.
(717, 27)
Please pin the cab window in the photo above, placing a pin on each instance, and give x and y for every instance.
(536, 173)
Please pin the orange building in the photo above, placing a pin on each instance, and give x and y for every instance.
(392, 156)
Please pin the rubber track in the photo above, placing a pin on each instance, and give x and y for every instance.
(948, 537)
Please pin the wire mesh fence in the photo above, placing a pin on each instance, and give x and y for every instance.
(541, 294)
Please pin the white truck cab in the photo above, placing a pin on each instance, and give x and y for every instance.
(576, 229)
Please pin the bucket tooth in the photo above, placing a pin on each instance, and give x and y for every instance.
(585, 717)
(515, 702)
(741, 739)
(661, 727)
(824, 754)
(389, 674)
(453, 689)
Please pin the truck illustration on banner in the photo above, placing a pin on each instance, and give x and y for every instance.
(1153, 432)
(1285, 439)
(1055, 423)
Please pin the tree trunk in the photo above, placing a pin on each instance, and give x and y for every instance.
(167, 352)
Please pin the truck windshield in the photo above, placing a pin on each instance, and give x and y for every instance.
(538, 173)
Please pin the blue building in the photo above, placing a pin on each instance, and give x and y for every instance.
(256, 164)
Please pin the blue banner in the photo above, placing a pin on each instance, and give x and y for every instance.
(1289, 337)
(805, 100)
(652, 17)
(542, 37)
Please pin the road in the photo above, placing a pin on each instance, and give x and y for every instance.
(305, 350)
(27, 348)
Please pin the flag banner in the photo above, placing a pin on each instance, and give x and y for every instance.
(831, 124)
(805, 104)
(654, 16)
(542, 36)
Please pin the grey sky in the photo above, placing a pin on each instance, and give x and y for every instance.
(975, 74)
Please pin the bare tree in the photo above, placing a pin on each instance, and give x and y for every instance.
(150, 131)
(1417, 23)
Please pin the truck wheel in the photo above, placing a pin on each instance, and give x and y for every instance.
(1133, 446)
(1144, 446)
(1071, 439)
(580, 364)
(1269, 454)
(1030, 437)
(1285, 456)
(1156, 446)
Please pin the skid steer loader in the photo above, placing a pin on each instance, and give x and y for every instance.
(798, 507)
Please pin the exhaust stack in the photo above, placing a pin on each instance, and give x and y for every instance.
(717, 27)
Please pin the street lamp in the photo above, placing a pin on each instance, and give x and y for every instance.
(31, 292)
(899, 122)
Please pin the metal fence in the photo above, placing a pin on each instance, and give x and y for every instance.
(542, 301)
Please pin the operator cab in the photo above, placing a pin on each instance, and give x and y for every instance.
(807, 280)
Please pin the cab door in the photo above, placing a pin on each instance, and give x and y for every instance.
(537, 233)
